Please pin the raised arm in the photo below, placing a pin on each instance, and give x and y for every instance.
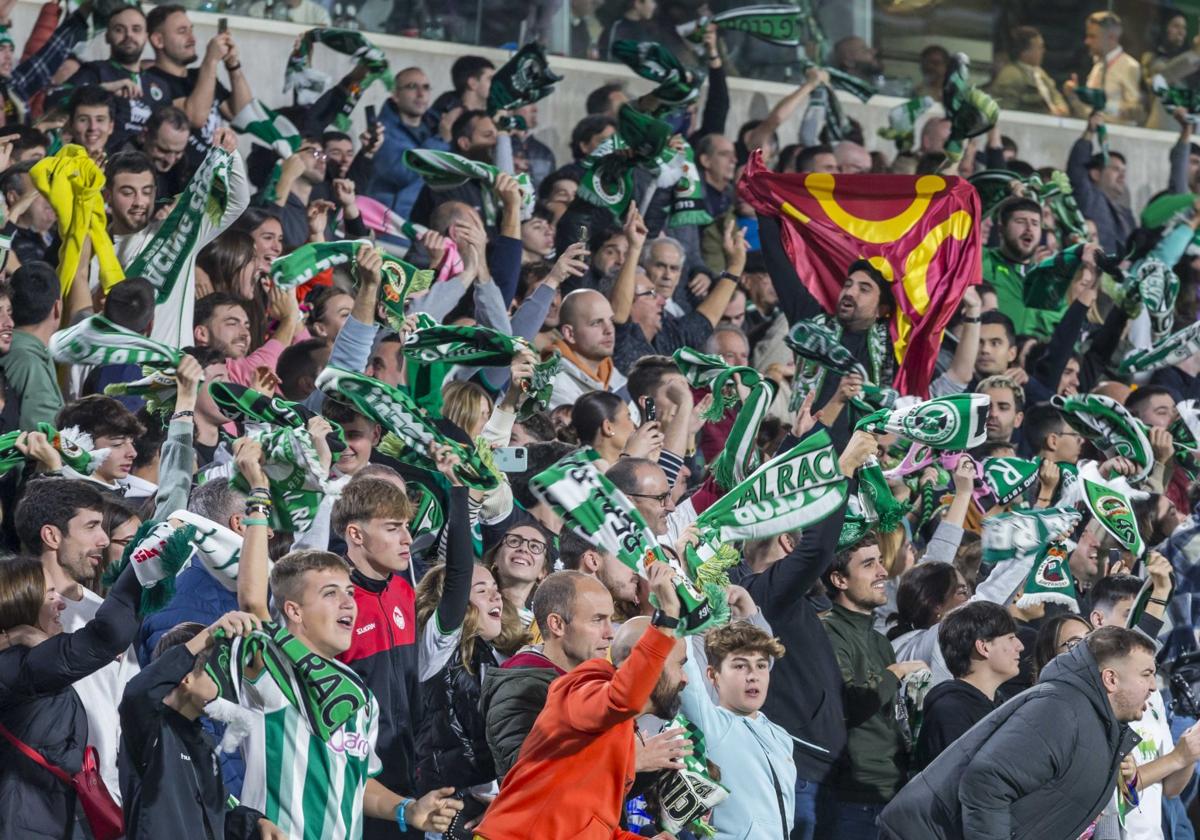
(177, 457)
(623, 289)
(785, 108)
(252, 585)
(198, 104)
(734, 244)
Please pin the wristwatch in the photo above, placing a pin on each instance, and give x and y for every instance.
(663, 621)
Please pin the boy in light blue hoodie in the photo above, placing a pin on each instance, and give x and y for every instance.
(755, 755)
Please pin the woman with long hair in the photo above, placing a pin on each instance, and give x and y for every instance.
(520, 560)
(121, 522)
(229, 264)
(266, 230)
(328, 308)
(1058, 634)
(38, 665)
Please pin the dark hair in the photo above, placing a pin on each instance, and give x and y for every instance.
(961, 628)
(252, 219)
(538, 426)
(885, 288)
(100, 415)
(1045, 647)
(806, 156)
(546, 187)
(167, 115)
(597, 100)
(159, 14)
(648, 373)
(225, 257)
(1016, 204)
(317, 300)
(130, 304)
(1110, 642)
(132, 161)
(1097, 160)
(22, 591)
(922, 591)
(207, 305)
(149, 443)
(90, 96)
(35, 290)
(571, 548)
(342, 413)
(1022, 38)
(464, 125)
(205, 356)
(1143, 394)
(10, 179)
(180, 634)
(468, 67)
(624, 473)
(995, 316)
(585, 130)
(1110, 591)
(1041, 421)
(841, 560)
(591, 410)
(296, 362)
(52, 501)
(331, 136)
(27, 138)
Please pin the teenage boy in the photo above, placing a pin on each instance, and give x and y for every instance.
(980, 645)
(307, 785)
(169, 772)
(754, 754)
(111, 426)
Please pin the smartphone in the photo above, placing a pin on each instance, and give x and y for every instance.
(372, 121)
(649, 411)
(222, 25)
(511, 459)
(584, 233)
(1114, 564)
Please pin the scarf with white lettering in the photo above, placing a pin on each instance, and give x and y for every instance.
(1009, 478)
(446, 170)
(957, 422)
(1175, 348)
(687, 795)
(1050, 580)
(1110, 426)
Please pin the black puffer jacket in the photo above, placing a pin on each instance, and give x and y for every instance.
(38, 705)
(513, 696)
(452, 749)
(1041, 766)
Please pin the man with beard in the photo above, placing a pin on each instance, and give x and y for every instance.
(875, 747)
(222, 324)
(583, 740)
(165, 141)
(1007, 408)
(1045, 763)
(194, 91)
(1100, 190)
(577, 554)
(473, 136)
(120, 73)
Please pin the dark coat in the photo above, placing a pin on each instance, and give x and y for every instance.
(513, 696)
(1043, 765)
(951, 708)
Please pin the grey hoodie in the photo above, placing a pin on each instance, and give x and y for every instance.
(1041, 766)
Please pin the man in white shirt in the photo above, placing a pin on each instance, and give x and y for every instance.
(1113, 70)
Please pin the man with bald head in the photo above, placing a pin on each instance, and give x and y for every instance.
(406, 125)
(934, 134)
(585, 320)
(583, 741)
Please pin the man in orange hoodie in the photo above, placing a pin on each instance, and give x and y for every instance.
(577, 764)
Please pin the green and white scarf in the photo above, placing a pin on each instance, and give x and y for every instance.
(1108, 502)
(688, 795)
(704, 370)
(902, 122)
(971, 111)
(1024, 533)
(245, 405)
(1098, 100)
(71, 447)
(157, 387)
(267, 126)
(446, 170)
(1175, 97)
(539, 388)
(307, 261)
(678, 86)
(524, 79)
(1158, 287)
(166, 255)
(295, 478)
(428, 517)
(1175, 348)
(1110, 426)
(810, 372)
(880, 507)
(1009, 478)
(326, 691)
(463, 345)
(395, 411)
(687, 196)
(1050, 580)
(956, 423)
(299, 74)
(596, 511)
(778, 25)
(98, 341)
(640, 141)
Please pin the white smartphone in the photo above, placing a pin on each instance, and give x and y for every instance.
(512, 459)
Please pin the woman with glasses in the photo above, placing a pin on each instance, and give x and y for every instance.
(1058, 634)
(520, 561)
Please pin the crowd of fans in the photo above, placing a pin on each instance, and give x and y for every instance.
(305, 579)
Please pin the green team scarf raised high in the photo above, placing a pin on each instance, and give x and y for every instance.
(462, 345)
(1185, 432)
(878, 502)
(1050, 580)
(82, 460)
(1179, 345)
(265, 125)
(399, 278)
(1158, 287)
(816, 342)
(704, 370)
(349, 42)
(395, 411)
(1097, 98)
(326, 691)
(902, 122)
(678, 86)
(956, 423)
(245, 405)
(98, 341)
(539, 388)
(446, 170)
(1025, 533)
(778, 25)
(166, 254)
(1107, 501)
(524, 79)
(971, 111)
(1175, 97)
(1009, 478)
(1110, 426)
(687, 196)
(596, 511)
(607, 179)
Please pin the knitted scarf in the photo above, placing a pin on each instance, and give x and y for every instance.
(819, 340)
(446, 170)
(902, 122)
(1024, 533)
(299, 74)
(779, 25)
(80, 458)
(971, 111)
(678, 86)
(481, 346)
(97, 341)
(1109, 502)
(524, 79)
(1110, 426)
(72, 183)
(1179, 345)
(268, 127)
(688, 795)
(1050, 580)
(687, 196)
(957, 422)
(640, 141)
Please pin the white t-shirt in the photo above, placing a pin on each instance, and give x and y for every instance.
(101, 692)
(1145, 821)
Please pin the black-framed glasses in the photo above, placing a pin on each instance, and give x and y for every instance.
(661, 498)
(536, 546)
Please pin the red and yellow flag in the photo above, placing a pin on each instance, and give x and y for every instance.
(920, 231)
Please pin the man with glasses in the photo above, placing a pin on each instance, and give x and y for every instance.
(297, 189)
(406, 126)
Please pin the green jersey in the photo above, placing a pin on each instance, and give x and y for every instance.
(311, 789)
(1033, 296)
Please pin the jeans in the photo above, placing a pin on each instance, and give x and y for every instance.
(815, 811)
(856, 821)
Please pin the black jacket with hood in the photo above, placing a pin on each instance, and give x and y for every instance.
(951, 709)
(513, 696)
(1041, 766)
